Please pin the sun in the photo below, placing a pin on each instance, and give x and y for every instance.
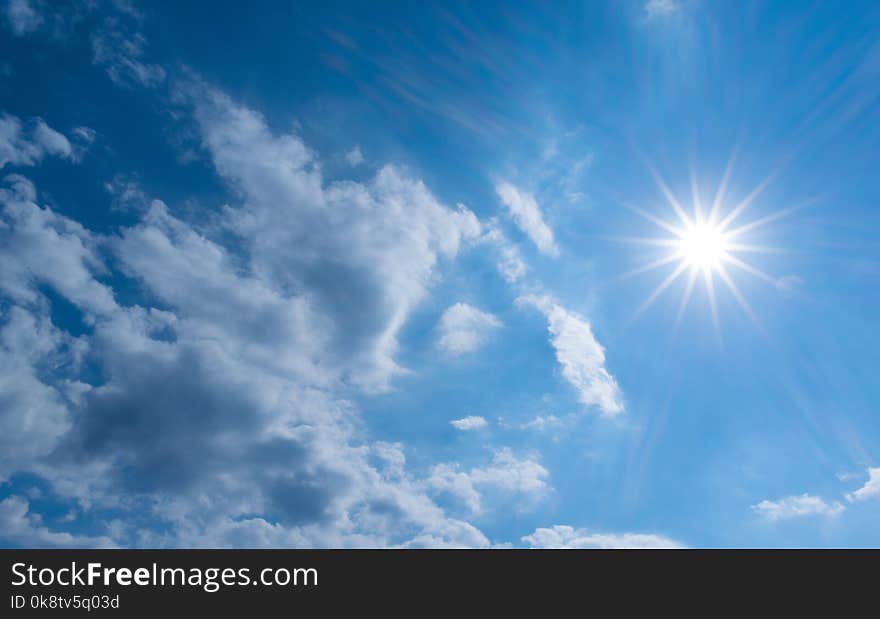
(702, 243)
(702, 246)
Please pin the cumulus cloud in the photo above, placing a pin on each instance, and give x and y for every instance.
(870, 490)
(21, 528)
(33, 415)
(581, 357)
(41, 247)
(525, 478)
(25, 144)
(466, 424)
(563, 536)
(526, 214)
(21, 17)
(364, 252)
(463, 328)
(207, 412)
(797, 506)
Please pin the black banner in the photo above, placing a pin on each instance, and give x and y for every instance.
(148, 582)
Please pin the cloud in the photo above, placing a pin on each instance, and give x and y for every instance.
(83, 137)
(797, 507)
(121, 52)
(354, 156)
(527, 216)
(365, 252)
(463, 328)
(33, 415)
(657, 8)
(466, 424)
(510, 263)
(582, 357)
(870, 490)
(42, 248)
(209, 410)
(521, 477)
(21, 528)
(21, 17)
(25, 144)
(540, 423)
(563, 536)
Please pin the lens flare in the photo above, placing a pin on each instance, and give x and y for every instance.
(704, 245)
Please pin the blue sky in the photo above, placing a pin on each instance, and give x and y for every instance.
(372, 274)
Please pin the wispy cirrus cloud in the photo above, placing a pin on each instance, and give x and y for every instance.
(121, 51)
(509, 260)
(526, 214)
(21, 16)
(580, 355)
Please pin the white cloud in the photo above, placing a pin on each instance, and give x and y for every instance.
(582, 357)
(541, 423)
(656, 8)
(522, 477)
(19, 527)
(33, 415)
(82, 137)
(797, 507)
(563, 536)
(354, 156)
(370, 249)
(22, 145)
(527, 216)
(121, 52)
(21, 17)
(510, 263)
(463, 328)
(251, 441)
(472, 422)
(41, 247)
(870, 490)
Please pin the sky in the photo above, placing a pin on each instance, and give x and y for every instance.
(380, 274)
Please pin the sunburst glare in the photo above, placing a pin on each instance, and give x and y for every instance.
(703, 245)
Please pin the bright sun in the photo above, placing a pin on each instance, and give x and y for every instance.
(703, 243)
(702, 246)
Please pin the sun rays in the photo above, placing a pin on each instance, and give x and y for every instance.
(704, 247)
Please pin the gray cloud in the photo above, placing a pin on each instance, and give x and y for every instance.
(210, 414)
